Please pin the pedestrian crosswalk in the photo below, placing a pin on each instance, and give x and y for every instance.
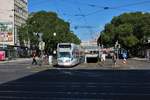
(79, 85)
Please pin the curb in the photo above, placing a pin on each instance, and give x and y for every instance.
(15, 60)
(141, 59)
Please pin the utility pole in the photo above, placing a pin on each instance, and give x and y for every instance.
(41, 46)
(117, 46)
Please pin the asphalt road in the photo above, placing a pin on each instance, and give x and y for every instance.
(20, 82)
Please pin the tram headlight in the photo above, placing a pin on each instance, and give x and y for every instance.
(67, 60)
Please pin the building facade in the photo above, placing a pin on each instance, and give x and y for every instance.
(13, 13)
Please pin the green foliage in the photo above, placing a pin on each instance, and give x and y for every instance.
(47, 23)
(130, 41)
(130, 29)
(23, 34)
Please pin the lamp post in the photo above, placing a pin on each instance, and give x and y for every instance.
(117, 46)
(41, 46)
(41, 43)
(54, 51)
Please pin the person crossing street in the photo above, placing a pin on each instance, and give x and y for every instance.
(124, 55)
(34, 59)
(114, 58)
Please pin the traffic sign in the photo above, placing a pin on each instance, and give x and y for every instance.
(41, 45)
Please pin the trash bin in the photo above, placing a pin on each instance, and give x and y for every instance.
(50, 59)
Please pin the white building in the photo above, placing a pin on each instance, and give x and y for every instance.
(91, 49)
(13, 13)
(88, 43)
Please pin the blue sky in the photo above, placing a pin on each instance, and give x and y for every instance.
(88, 17)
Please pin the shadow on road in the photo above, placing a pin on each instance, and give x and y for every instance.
(81, 84)
(66, 67)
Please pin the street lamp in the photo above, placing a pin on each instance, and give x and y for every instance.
(54, 34)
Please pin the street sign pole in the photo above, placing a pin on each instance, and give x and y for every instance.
(41, 47)
(117, 46)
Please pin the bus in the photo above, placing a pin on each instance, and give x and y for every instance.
(68, 54)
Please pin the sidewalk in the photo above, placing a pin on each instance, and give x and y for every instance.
(16, 60)
(141, 59)
(132, 63)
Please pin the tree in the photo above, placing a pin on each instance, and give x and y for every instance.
(23, 34)
(47, 23)
(130, 29)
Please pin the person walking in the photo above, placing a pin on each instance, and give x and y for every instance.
(103, 57)
(34, 59)
(124, 55)
(114, 58)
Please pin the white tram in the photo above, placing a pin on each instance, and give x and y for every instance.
(68, 54)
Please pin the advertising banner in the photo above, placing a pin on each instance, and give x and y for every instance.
(6, 33)
(2, 55)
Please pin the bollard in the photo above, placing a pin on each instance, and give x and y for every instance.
(50, 60)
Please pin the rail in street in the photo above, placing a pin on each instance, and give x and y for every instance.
(23, 81)
(79, 85)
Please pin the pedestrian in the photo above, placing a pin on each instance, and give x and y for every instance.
(34, 59)
(124, 55)
(103, 57)
(114, 58)
(45, 60)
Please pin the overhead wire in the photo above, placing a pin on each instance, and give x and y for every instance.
(101, 8)
(132, 4)
(81, 3)
(84, 19)
(86, 23)
(117, 7)
(107, 8)
(62, 14)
